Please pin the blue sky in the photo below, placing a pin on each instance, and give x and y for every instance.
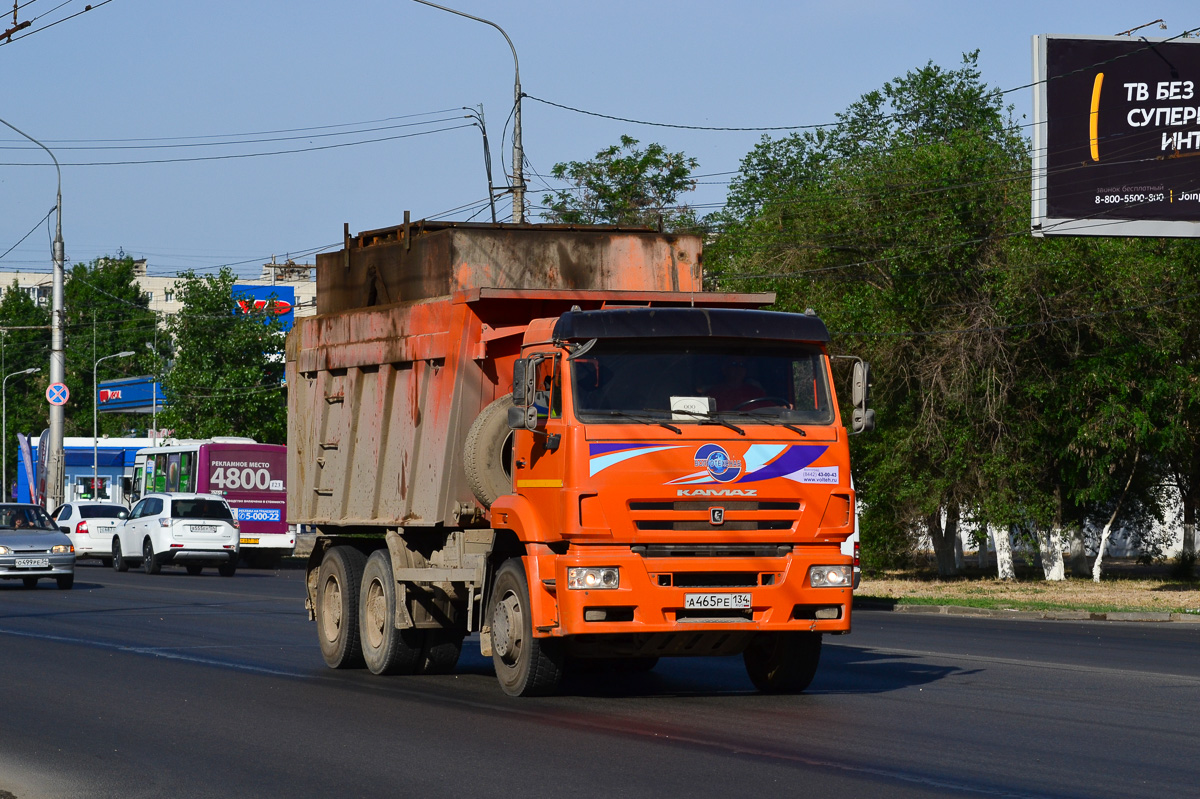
(200, 73)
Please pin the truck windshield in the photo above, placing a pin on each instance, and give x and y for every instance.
(739, 379)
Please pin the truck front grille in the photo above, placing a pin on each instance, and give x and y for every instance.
(715, 514)
(713, 579)
(692, 505)
(712, 550)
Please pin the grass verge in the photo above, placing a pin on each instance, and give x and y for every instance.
(1113, 595)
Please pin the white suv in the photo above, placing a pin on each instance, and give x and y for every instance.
(195, 530)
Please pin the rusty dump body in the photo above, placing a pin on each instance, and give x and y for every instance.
(590, 520)
(416, 334)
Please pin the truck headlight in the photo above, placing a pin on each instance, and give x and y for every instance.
(830, 576)
(593, 577)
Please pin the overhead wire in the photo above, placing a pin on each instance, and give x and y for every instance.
(86, 9)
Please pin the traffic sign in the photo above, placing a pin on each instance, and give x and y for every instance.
(57, 394)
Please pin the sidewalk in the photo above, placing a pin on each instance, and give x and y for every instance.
(1051, 615)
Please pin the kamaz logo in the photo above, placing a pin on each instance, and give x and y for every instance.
(718, 492)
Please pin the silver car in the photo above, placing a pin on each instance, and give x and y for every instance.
(32, 547)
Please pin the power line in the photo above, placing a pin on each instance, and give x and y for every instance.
(247, 133)
(251, 155)
(56, 22)
(31, 231)
(240, 141)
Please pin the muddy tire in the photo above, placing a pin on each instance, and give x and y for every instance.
(525, 666)
(783, 663)
(487, 453)
(385, 649)
(337, 607)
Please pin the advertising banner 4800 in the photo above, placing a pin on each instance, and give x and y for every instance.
(1116, 136)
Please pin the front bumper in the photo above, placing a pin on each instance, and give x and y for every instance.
(60, 565)
(652, 593)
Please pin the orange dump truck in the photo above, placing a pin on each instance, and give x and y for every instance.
(554, 437)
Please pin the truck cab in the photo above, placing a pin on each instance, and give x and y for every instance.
(680, 479)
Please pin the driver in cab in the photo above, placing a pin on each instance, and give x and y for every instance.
(735, 387)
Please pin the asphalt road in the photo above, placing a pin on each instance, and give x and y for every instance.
(140, 686)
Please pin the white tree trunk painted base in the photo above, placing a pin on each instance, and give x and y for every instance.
(1004, 559)
(1050, 549)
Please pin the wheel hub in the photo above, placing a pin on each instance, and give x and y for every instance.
(506, 627)
(331, 609)
(376, 614)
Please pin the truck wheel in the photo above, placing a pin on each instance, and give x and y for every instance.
(442, 648)
(487, 453)
(337, 607)
(782, 663)
(525, 666)
(385, 649)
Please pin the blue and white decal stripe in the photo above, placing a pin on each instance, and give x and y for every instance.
(599, 464)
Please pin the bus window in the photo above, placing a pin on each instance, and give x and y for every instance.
(160, 472)
(173, 471)
(135, 492)
(187, 472)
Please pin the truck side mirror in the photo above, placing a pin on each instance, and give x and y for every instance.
(520, 387)
(860, 384)
(862, 419)
(522, 418)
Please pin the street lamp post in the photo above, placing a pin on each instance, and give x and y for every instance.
(58, 362)
(518, 151)
(4, 414)
(96, 419)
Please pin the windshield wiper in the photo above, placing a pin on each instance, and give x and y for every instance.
(709, 419)
(636, 418)
(769, 420)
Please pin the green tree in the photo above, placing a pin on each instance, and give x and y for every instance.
(227, 376)
(624, 185)
(24, 344)
(105, 312)
(893, 225)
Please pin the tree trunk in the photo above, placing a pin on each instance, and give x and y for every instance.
(958, 553)
(943, 539)
(1050, 549)
(981, 554)
(1050, 543)
(1004, 560)
(1103, 548)
(1077, 551)
(1189, 521)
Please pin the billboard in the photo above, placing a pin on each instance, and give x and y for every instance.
(1116, 136)
(247, 298)
(129, 395)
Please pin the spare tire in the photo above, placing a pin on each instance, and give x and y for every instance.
(488, 453)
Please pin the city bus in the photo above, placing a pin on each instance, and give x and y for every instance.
(250, 476)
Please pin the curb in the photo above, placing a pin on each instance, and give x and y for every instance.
(1030, 615)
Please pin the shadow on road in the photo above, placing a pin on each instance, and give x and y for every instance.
(843, 670)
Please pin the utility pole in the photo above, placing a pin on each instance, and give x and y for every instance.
(518, 175)
(58, 369)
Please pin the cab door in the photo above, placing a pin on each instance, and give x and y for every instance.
(540, 454)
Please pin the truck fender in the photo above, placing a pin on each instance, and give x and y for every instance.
(539, 567)
(515, 512)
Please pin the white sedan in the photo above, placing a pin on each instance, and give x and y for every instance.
(90, 526)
